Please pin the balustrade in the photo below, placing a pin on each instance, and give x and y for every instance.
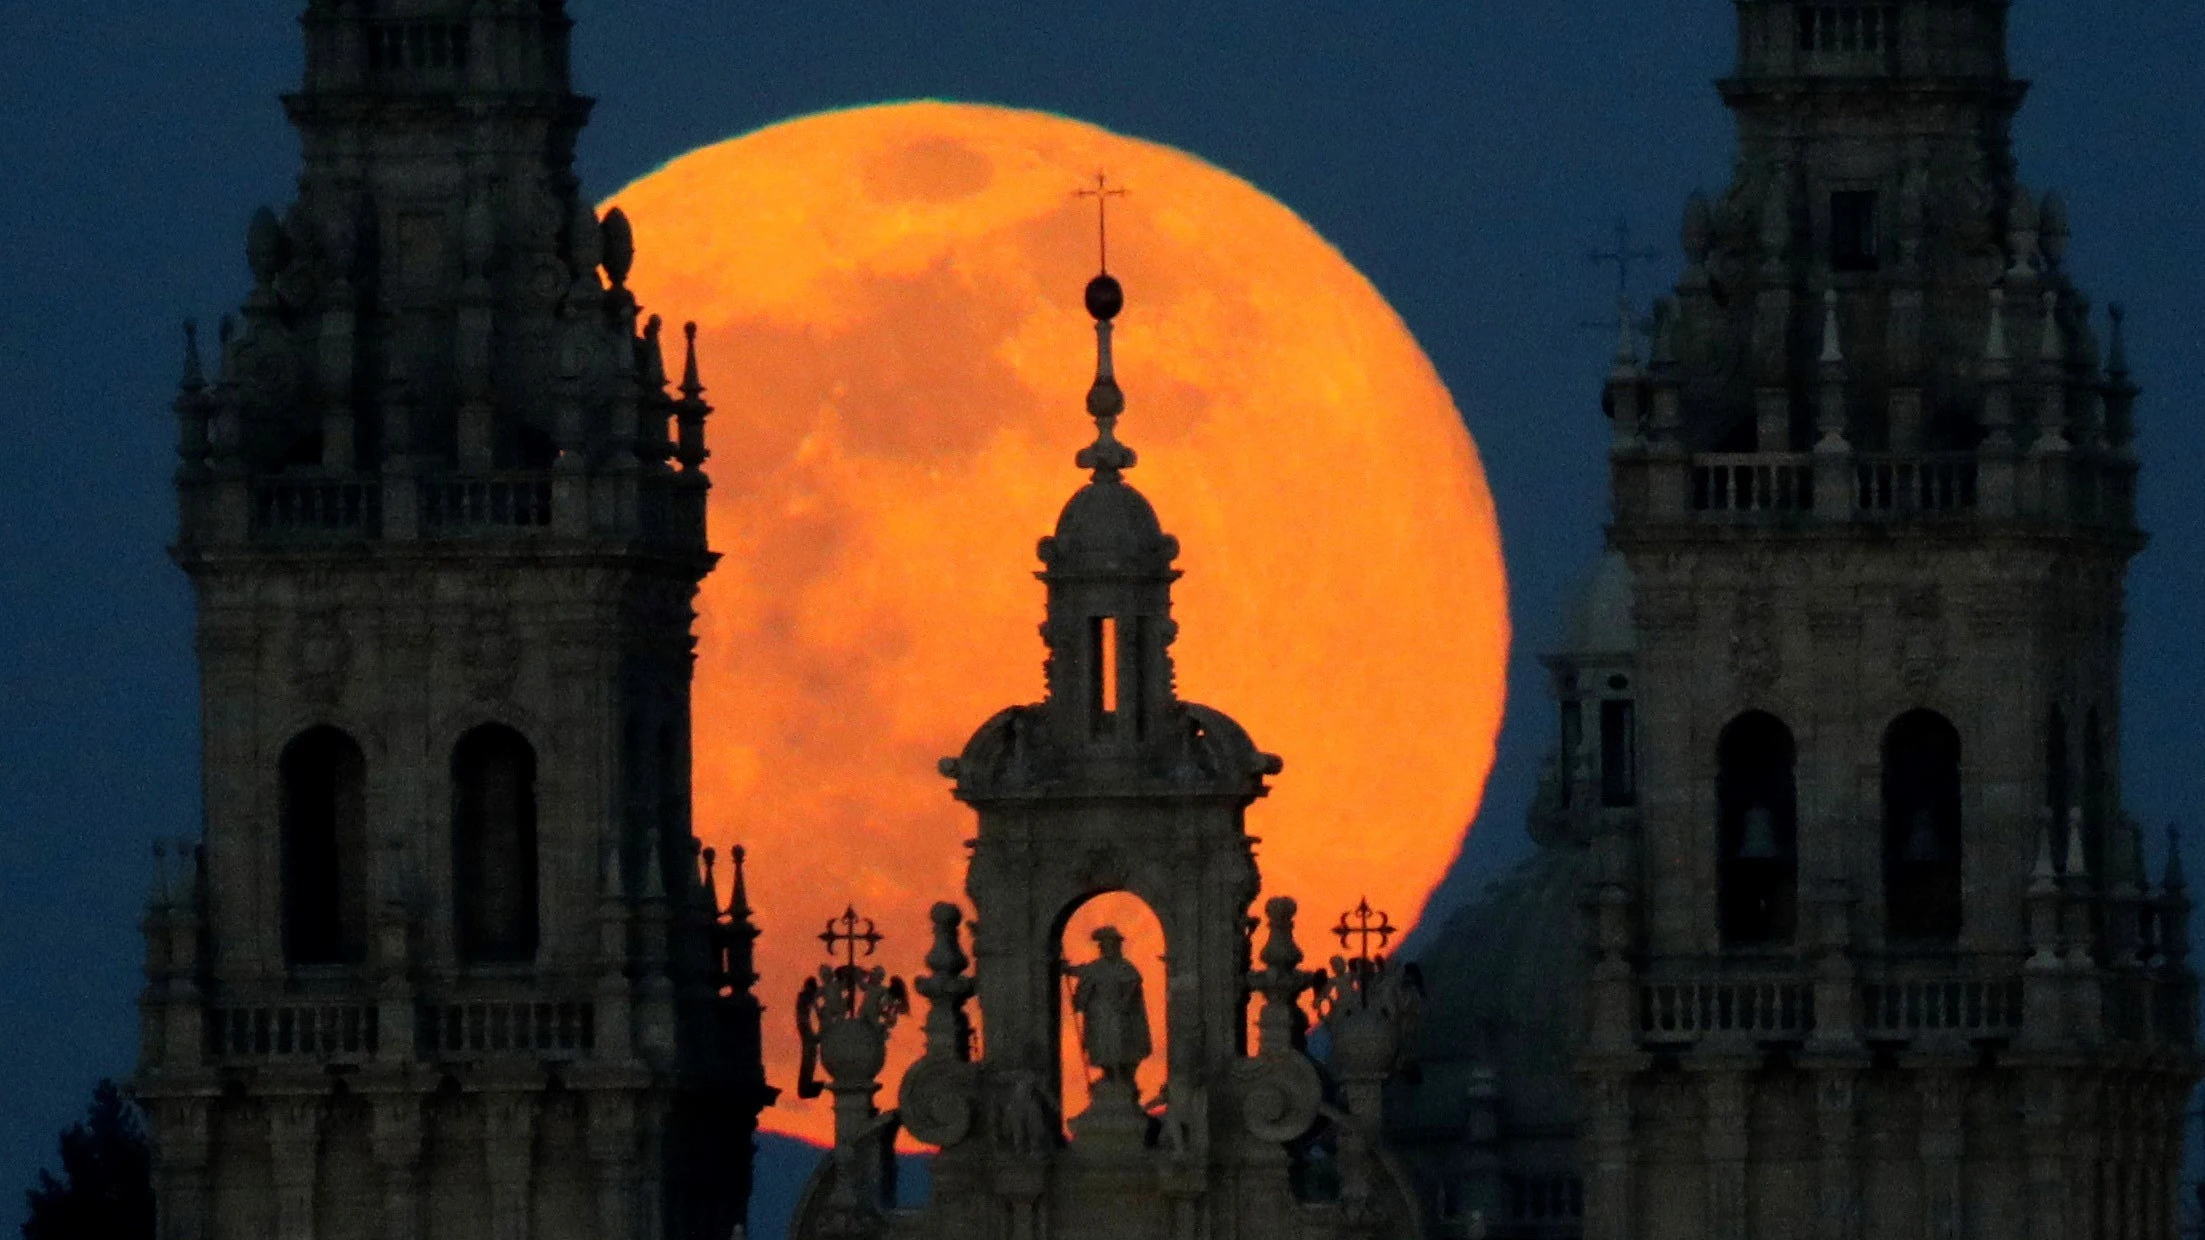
(292, 507)
(320, 1032)
(1907, 1007)
(1887, 484)
(1749, 482)
(519, 1027)
(1761, 1009)
(490, 502)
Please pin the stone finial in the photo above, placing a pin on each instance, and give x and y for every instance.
(1626, 341)
(2021, 234)
(2116, 365)
(738, 888)
(946, 988)
(160, 896)
(651, 355)
(2052, 229)
(1995, 349)
(195, 376)
(1107, 457)
(1833, 351)
(585, 243)
(2044, 873)
(2052, 342)
(692, 387)
(2078, 863)
(1698, 232)
(2174, 880)
(619, 246)
(1282, 981)
(266, 247)
(1664, 354)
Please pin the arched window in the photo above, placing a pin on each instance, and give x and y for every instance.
(494, 844)
(1757, 803)
(1921, 827)
(325, 848)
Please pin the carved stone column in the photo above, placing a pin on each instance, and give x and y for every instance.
(1943, 1095)
(181, 1136)
(1836, 1122)
(294, 1149)
(509, 1141)
(1724, 1145)
(396, 1137)
(1609, 1190)
(2043, 1119)
(612, 1145)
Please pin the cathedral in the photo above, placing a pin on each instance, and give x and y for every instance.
(1836, 926)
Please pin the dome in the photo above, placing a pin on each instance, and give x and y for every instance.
(1108, 526)
(1504, 982)
(1600, 616)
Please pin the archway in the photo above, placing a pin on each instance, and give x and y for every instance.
(324, 841)
(1757, 804)
(1143, 946)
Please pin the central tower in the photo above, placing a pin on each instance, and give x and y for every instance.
(1113, 784)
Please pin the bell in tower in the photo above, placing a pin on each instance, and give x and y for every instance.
(449, 959)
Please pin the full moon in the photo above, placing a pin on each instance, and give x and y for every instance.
(893, 340)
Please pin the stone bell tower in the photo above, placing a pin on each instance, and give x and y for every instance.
(1113, 783)
(1876, 948)
(449, 961)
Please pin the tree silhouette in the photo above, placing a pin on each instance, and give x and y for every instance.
(105, 1189)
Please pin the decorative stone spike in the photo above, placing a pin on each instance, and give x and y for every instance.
(619, 246)
(1833, 350)
(1996, 349)
(2174, 879)
(266, 247)
(195, 377)
(2052, 229)
(2116, 366)
(692, 387)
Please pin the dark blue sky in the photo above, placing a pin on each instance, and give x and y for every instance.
(1463, 155)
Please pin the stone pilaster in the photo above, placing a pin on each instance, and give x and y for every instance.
(1724, 1144)
(2044, 1115)
(612, 1148)
(181, 1140)
(509, 1139)
(1610, 1193)
(396, 1138)
(1942, 1102)
(294, 1150)
(1837, 1117)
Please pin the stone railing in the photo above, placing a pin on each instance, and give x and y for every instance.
(1753, 483)
(1749, 1009)
(1906, 1008)
(491, 502)
(308, 1032)
(296, 507)
(468, 1030)
(1886, 485)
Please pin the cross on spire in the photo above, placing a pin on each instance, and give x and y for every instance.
(1624, 255)
(1102, 194)
(843, 934)
(1363, 925)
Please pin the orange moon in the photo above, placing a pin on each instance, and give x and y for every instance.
(893, 340)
